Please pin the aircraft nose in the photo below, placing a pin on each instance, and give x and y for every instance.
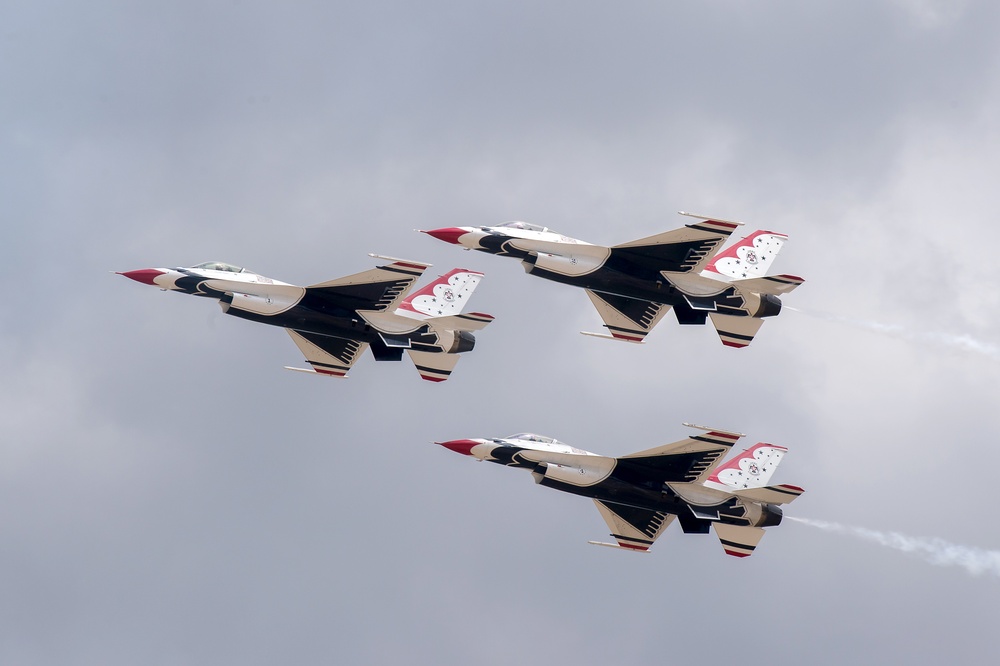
(447, 234)
(143, 275)
(463, 446)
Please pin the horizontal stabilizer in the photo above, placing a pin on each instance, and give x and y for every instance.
(782, 494)
(735, 331)
(472, 321)
(434, 367)
(738, 540)
(776, 285)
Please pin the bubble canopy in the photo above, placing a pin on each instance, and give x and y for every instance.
(219, 266)
(532, 437)
(523, 226)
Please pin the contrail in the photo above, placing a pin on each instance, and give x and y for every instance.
(939, 552)
(965, 343)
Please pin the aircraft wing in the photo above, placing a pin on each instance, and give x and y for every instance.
(685, 250)
(379, 289)
(689, 460)
(328, 356)
(627, 319)
(633, 528)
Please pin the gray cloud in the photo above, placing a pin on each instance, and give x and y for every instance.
(171, 495)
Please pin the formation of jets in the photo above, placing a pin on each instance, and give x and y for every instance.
(633, 285)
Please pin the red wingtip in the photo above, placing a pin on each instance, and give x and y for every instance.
(463, 446)
(447, 234)
(144, 275)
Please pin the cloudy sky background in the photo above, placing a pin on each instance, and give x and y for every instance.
(169, 494)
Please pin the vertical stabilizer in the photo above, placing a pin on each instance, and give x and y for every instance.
(751, 469)
(444, 297)
(749, 258)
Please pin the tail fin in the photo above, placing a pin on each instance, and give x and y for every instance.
(751, 469)
(444, 297)
(750, 258)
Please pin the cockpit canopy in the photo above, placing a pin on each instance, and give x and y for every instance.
(532, 437)
(523, 226)
(219, 266)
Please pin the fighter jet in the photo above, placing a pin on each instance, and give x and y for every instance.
(634, 284)
(639, 495)
(332, 323)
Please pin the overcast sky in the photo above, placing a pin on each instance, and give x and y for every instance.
(170, 495)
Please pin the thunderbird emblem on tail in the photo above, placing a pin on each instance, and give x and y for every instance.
(639, 495)
(634, 284)
(332, 323)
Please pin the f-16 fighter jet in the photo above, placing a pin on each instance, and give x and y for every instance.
(639, 495)
(634, 284)
(332, 323)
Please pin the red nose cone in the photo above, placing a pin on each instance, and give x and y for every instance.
(463, 446)
(447, 234)
(145, 275)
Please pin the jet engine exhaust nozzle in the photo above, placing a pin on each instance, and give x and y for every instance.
(770, 306)
(772, 516)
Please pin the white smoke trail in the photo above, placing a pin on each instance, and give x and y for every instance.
(965, 343)
(939, 552)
